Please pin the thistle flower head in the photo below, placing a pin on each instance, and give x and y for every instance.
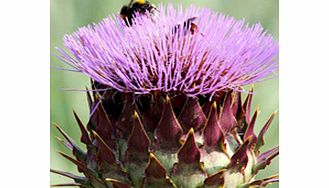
(176, 138)
(193, 51)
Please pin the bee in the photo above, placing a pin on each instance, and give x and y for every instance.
(141, 6)
(188, 27)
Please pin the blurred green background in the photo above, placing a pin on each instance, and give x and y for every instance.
(68, 15)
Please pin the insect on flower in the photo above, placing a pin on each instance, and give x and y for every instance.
(188, 27)
(141, 6)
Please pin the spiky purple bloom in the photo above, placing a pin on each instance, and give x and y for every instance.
(150, 56)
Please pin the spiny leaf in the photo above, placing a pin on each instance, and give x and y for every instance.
(216, 180)
(84, 137)
(154, 168)
(104, 153)
(168, 132)
(227, 119)
(80, 165)
(250, 129)
(239, 114)
(261, 183)
(125, 121)
(212, 133)
(138, 141)
(90, 100)
(117, 184)
(218, 98)
(77, 152)
(178, 103)
(189, 153)
(77, 179)
(69, 139)
(102, 125)
(87, 172)
(153, 111)
(206, 107)
(240, 158)
(237, 104)
(247, 105)
(260, 139)
(192, 115)
(67, 185)
(265, 159)
(155, 174)
(66, 144)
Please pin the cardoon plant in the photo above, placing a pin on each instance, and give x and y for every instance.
(165, 104)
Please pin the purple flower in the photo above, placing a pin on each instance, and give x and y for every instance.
(161, 53)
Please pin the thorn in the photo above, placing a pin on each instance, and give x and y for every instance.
(247, 104)
(68, 145)
(84, 137)
(258, 110)
(250, 128)
(168, 131)
(240, 159)
(227, 119)
(191, 131)
(212, 133)
(76, 162)
(66, 185)
(136, 115)
(154, 168)
(76, 178)
(216, 180)
(260, 139)
(104, 152)
(191, 115)
(64, 134)
(138, 141)
(117, 184)
(189, 153)
(265, 159)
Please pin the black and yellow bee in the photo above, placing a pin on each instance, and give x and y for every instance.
(141, 6)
